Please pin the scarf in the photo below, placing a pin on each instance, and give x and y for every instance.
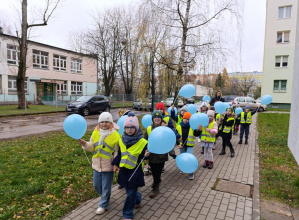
(104, 134)
(185, 125)
(130, 140)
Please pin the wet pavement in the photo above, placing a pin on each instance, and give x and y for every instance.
(19, 126)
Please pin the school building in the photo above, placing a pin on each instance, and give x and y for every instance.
(279, 51)
(51, 72)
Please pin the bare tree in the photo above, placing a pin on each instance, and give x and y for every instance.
(23, 44)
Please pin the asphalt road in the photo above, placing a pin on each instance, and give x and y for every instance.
(14, 127)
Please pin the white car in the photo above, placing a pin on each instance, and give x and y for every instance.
(243, 101)
(169, 101)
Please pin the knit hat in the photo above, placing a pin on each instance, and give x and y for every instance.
(157, 113)
(131, 121)
(160, 105)
(211, 113)
(184, 108)
(230, 109)
(247, 106)
(204, 104)
(187, 115)
(105, 116)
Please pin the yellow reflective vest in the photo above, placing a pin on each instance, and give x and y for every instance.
(248, 119)
(217, 119)
(206, 135)
(180, 118)
(107, 148)
(190, 141)
(227, 129)
(130, 156)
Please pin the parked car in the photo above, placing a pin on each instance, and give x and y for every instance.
(169, 101)
(229, 98)
(142, 104)
(190, 101)
(259, 99)
(86, 105)
(243, 101)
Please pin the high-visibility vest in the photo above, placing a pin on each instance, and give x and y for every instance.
(206, 135)
(149, 130)
(248, 119)
(166, 118)
(180, 118)
(218, 118)
(107, 148)
(130, 156)
(227, 129)
(190, 140)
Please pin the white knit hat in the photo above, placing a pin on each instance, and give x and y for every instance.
(105, 116)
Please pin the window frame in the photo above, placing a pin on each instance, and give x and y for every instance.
(61, 89)
(283, 37)
(38, 55)
(280, 86)
(13, 88)
(281, 61)
(285, 12)
(76, 66)
(57, 61)
(76, 87)
(11, 51)
(1, 84)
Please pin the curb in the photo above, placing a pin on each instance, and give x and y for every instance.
(256, 212)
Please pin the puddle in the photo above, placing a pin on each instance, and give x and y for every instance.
(235, 188)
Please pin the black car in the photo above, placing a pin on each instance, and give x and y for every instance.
(89, 104)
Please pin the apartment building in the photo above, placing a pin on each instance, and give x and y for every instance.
(279, 50)
(51, 72)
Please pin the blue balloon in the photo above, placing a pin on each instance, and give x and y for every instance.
(146, 120)
(187, 91)
(120, 123)
(238, 110)
(219, 107)
(192, 109)
(161, 140)
(75, 126)
(206, 98)
(186, 162)
(175, 110)
(199, 119)
(226, 105)
(266, 100)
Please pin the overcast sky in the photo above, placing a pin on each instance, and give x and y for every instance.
(75, 15)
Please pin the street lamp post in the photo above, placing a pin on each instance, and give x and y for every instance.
(153, 79)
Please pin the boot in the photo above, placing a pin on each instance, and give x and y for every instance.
(206, 164)
(240, 142)
(211, 163)
(246, 141)
(232, 153)
(202, 151)
(222, 152)
(155, 191)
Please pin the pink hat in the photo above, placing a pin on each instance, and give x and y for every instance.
(131, 122)
(211, 113)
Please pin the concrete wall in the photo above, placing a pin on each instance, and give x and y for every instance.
(293, 141)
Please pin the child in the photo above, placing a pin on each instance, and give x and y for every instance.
(208, 138)
(227, 123)
(187, 141)
(157, 161)
(237, 123)
(245, 120)
(215, 118)
(103, 144)
(203, 109)
(178, 118)
(133, 147)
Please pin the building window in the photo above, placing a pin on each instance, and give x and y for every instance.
(76, 65)
(59, 63)
(12, 54)
(62, 88)
(12, 85)
(40, 59)
(283, 37)
(280, 86)
(1, 84)
(76, 88)
(281, 61)
(284, 12)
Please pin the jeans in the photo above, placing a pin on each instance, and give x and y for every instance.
(157, 171)
(187, 150)
(133, 198)
(246, 129)
(102, 182)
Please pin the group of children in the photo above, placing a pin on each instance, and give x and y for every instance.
(124, 153)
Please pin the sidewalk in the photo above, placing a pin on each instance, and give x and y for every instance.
(181, 198)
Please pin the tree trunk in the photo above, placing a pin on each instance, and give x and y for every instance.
(22, 58)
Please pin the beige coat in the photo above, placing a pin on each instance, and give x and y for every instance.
(101, 164)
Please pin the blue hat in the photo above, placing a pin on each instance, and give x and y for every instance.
(247, 106)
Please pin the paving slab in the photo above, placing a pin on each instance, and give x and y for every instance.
(233, 187)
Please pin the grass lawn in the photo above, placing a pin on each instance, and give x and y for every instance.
(279, 172)
(6, 110)
(278, 110)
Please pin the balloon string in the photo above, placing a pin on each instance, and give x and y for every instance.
(86, 156)
(136, 168)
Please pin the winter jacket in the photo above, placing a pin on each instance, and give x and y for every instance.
(185, 132)
(175, 117)
(170, 124)
(158, 158)
(124, 173)
(216, 99)
(100, 164)
(245, 116)
(224, 122)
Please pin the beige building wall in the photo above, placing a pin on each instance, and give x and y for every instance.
(273, 49)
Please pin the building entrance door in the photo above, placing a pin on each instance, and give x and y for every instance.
(45, 91)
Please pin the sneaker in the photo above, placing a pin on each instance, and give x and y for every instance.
(240, 142)
(246, 142)
(181, 172)
(198, 140)
(214, 147)
(191, 176)
(137, 206)
(100, 211)
(147, 173)
(120, 187)
(163, 170)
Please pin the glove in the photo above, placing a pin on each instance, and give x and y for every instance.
(174, 156)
